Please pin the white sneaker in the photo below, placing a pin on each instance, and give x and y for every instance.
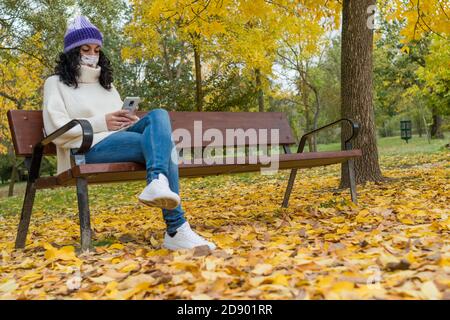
(158, 194)
(185, 238)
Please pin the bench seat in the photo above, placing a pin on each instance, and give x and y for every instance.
(128, 171)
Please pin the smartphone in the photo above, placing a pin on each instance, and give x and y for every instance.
(131, 104)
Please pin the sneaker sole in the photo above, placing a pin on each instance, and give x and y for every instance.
(175, 247)
(163, 203)
(170, 247)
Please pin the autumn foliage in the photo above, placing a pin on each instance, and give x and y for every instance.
(393, 245)
(242, 55)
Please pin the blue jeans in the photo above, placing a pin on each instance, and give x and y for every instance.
(148, 141)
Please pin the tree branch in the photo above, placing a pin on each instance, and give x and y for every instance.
(18, 102)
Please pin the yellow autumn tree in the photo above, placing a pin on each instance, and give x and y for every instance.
(245, 32)
(309, 32)
(195, 22)
(419, 17)
(432, 86)
(431, 20)
(20, 83)
(252, 37)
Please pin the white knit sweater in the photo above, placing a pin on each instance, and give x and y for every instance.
(89, 101)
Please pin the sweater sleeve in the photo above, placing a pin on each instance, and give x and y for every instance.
(55, 114)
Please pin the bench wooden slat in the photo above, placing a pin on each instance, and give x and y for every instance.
(128, 171)
(26, 126)
(286, 161)
(222, 121)
(26, 131)
(54, 181)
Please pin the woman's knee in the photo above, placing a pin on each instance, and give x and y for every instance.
(158, 112)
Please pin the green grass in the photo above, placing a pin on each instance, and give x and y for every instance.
(65, 199)
(397, 146)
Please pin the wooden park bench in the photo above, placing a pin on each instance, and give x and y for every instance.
(29, 142)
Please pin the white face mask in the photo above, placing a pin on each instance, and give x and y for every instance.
(89, 59)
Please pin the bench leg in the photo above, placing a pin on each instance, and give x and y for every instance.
(352, 180)
(288, 191)
(25, 215)
(84, 214)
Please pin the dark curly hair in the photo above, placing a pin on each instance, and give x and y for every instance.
(68, 68)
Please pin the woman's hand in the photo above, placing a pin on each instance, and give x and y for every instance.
(119, 119)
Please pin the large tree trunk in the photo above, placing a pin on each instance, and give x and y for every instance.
(435, 128)
(259, 90)
(198, 80)
(356, 88)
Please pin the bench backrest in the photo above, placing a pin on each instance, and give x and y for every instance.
(26, 127)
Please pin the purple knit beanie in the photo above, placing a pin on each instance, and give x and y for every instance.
(81, 31)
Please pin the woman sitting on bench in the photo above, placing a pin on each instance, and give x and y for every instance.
(82, 89)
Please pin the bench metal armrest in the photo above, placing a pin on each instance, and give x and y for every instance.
(38, 149)
(86, 127)
(347, 144)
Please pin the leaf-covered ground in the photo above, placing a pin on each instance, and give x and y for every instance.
(394, 244)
